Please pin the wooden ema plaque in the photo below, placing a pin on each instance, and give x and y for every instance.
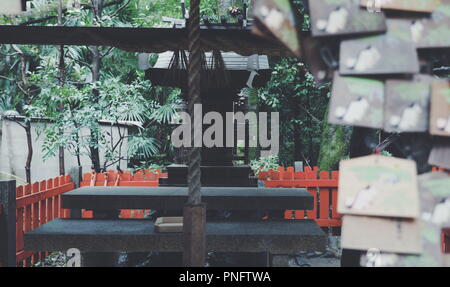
(433, 32)
(377, 185)
(381, 233)
(407, 104)
(440, 153)
(356, 101)
(390, 53)
(343, 17)
(424, 6)
(435, 217)
(440, 109)
(279, 19)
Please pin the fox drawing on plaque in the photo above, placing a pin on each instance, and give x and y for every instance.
(356, 102)
(378, 186)
(365, 60)
(407, 105)
(433, 32)
(343, 17)
(386, 54)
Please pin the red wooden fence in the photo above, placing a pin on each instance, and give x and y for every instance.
(114, 178)
(322, 185)
(146, 177)
(37, 204)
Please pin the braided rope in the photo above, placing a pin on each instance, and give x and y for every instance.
(194, 83)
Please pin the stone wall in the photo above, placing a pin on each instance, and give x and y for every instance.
(13, 152)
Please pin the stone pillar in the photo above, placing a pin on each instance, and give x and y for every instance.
(101, 259)
(76, 174)
(8, 223)
(218, 100)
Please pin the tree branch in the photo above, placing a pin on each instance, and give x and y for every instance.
(106, 53)
(311, 115)
(6, 78)
(79, 62)
(120, 9)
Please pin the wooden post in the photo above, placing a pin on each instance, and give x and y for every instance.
(194, 211)
(194, 235)
(8, 223)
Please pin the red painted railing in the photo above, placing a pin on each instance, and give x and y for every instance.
(115, 178)
(40, 202)
(146, 177)
(37, 204)
(322, 185)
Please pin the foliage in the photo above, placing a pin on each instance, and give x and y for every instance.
(264, 164)
(301, 104)
(125, 95)
(334, 146)
(117, 102)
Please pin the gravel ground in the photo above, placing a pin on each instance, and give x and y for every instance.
(55, 259)
(329, 258)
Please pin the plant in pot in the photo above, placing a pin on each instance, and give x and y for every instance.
(262, 166)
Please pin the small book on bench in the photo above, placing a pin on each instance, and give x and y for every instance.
(169, 224)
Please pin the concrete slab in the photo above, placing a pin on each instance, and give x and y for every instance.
(283, 237)
(174, 198)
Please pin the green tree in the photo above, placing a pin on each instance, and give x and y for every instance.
(301, 104)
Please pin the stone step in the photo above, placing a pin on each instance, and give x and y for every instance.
(91, 235)
(174, 198)
(229, 176)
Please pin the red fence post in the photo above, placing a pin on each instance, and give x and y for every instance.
(56, 198)
(42, 211)
(312, 174)
(49, 201)
(35, 214)
(334, 196)
(36, 204)
(324, 198)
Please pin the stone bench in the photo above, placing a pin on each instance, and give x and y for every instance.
(91, 235)
(174, 198)
(102, 238)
